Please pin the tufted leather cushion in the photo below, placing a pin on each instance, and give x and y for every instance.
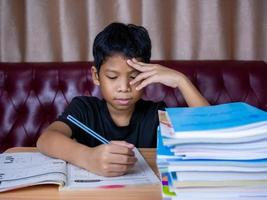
(33, 94)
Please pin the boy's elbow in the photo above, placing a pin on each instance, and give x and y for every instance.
(50, 136)
(199, 103)
(203, 104)
(206, 103)
(41, 141)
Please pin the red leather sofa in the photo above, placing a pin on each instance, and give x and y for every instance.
(33, 94)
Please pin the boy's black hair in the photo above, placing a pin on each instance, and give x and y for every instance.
(130, 41)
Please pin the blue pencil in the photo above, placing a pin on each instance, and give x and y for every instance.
(87, 129)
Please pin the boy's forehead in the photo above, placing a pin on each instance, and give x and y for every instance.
(117, 63)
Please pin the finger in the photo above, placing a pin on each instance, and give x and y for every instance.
(119, 149)
(138, 62)
(146, 82)
(139, 67)
(142, 76)
(112, 174)
(122, 159)
(119, 168)
(141, 63)
(123, 143)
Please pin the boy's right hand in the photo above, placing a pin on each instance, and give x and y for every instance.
(113, 159)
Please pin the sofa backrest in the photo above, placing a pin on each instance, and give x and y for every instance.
(32, 95)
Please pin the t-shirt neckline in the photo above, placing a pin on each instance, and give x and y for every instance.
(132, 120)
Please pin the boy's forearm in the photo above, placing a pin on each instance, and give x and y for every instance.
(57, 145)
(190, 93)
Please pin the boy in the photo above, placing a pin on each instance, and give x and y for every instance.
(121, 56)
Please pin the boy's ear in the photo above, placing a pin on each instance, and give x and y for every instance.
(95, 76)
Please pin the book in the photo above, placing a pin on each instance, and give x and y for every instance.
(217, 117)
(221, 193)
(24, 169)
(219, 183)
(225, 123)
(215, 176)
(213, 152)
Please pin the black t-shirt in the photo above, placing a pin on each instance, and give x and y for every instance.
(93, 112)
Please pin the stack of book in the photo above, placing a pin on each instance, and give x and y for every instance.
(213, 152)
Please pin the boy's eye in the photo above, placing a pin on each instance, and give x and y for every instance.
(112, 77)
(133, 76)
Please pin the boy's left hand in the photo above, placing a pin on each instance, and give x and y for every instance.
(154, 73)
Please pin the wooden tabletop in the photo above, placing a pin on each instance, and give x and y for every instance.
(50, 192)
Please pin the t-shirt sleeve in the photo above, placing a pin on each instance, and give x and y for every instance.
(76, 109)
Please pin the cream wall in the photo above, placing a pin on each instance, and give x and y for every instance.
(64, 30)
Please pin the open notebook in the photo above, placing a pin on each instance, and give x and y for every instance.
(24, 169)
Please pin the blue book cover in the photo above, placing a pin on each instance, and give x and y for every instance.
(161, 149)
(222, 116)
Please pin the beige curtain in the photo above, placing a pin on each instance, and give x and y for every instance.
(64, 30)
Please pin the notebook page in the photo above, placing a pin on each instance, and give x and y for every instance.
(29, 168)
(141, 173)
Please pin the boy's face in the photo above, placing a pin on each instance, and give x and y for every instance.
(114, 80)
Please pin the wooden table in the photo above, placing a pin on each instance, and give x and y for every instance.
(50, 192)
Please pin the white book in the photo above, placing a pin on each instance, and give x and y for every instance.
(222, 193)
(212, 168)
(23, 169)
(231, 183)
(203, 162)
(261, 144)
(218, 193)
(222, 154)
(242, 191)
(249, 130)
(215, 140)
(222, 176)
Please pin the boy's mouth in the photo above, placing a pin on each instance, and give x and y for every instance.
(122, 101)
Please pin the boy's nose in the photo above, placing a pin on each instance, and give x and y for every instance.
(124, 86)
